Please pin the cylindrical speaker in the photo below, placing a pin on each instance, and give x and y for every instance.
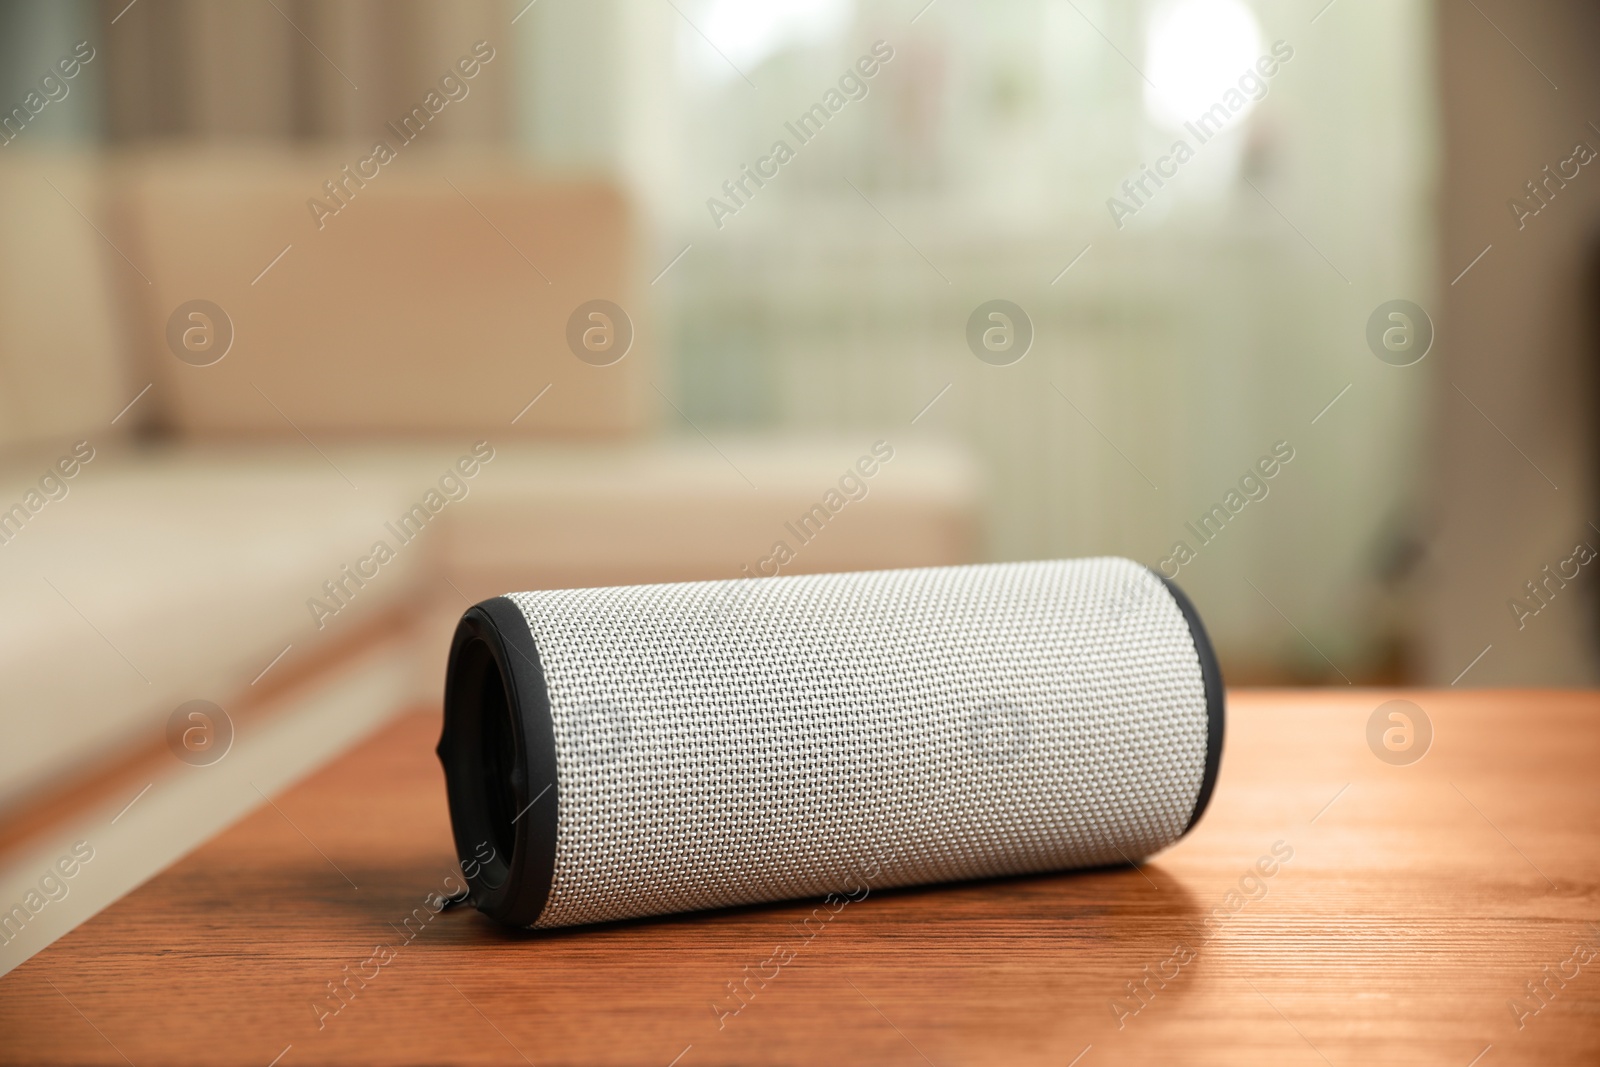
(639, 750)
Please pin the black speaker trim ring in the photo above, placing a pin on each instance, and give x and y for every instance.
(1216, 720)
(511, 889)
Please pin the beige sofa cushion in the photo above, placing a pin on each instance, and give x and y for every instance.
(436, 301)
(60, 369)
(560, 516)
(160, 579)
(167, 576)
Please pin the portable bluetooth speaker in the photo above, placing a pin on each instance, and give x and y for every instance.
(639, 750)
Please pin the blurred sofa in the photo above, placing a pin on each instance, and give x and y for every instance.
(372, 357)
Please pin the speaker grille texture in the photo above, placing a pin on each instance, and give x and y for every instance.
(724, 743)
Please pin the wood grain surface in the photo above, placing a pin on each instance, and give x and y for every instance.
(1331, 908)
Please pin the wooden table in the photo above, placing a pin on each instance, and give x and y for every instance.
(1418, 902)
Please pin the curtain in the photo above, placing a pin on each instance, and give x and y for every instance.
(297, 70)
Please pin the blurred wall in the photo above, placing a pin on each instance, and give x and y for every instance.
(1512, 471)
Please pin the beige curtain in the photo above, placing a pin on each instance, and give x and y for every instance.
(296, 69)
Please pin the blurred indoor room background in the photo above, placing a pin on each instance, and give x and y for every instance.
(1187, 332)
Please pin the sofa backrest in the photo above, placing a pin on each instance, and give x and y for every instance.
(419, 295)
(61, 368)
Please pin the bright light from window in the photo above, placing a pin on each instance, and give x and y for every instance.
(1195, 52)
(748, 31)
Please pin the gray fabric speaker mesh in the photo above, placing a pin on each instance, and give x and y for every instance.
(724, 743)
